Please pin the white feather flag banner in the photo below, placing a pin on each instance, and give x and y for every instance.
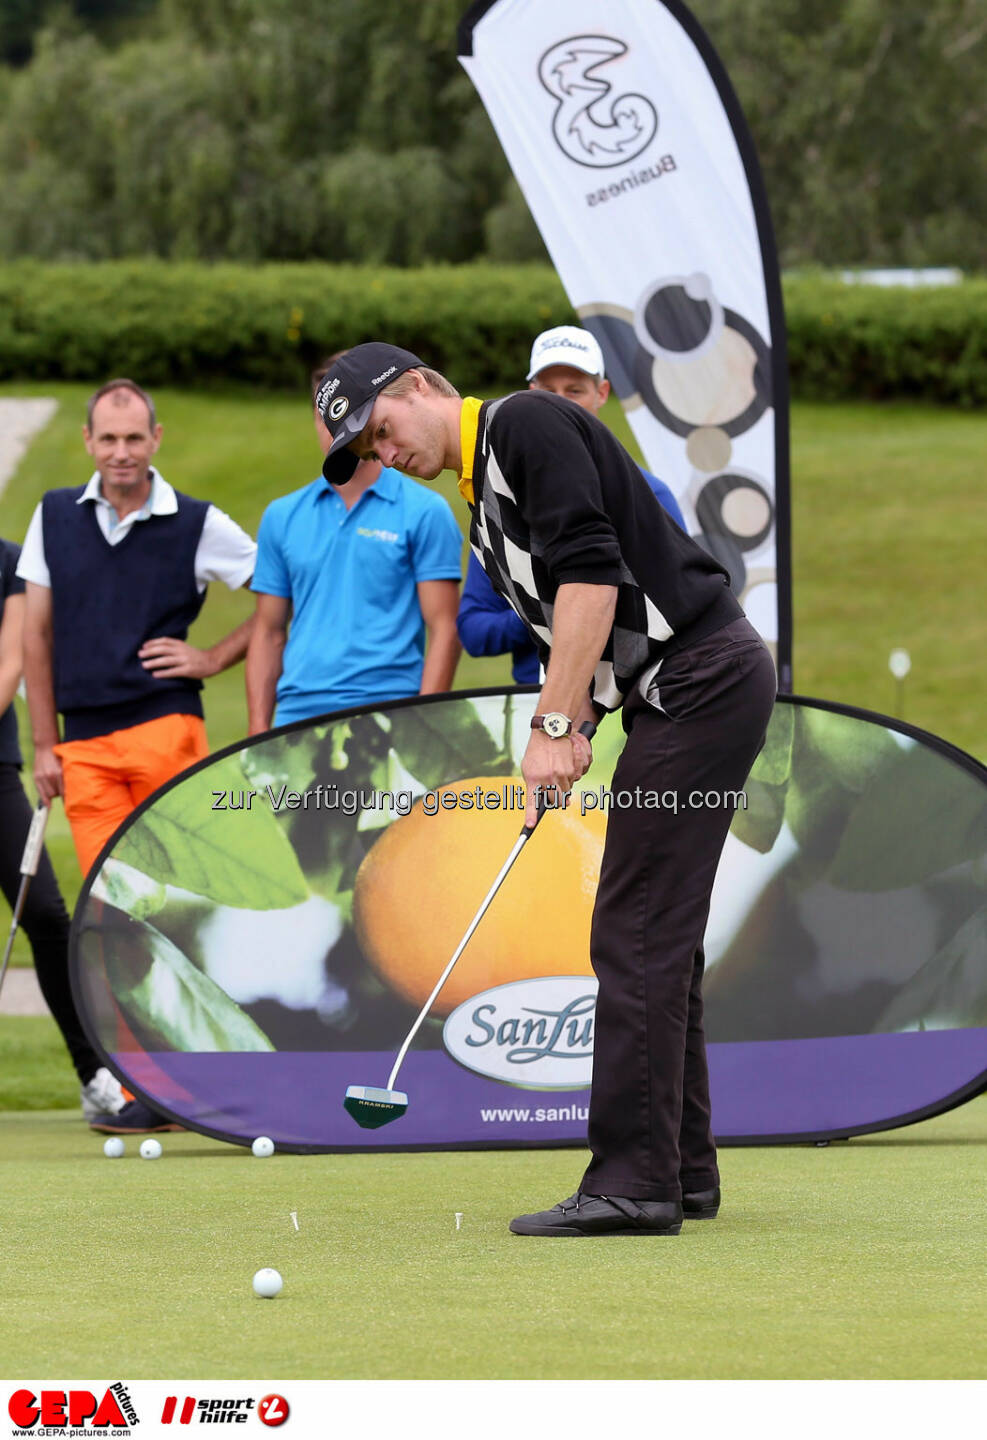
(628, 142)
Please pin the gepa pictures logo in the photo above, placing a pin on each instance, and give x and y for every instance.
(54, 1411)
(537, 1034)
(590, 125)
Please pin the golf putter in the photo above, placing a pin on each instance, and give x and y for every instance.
(372, 1106)
(29, 867)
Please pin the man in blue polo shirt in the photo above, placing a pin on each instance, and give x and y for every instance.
(368, 576)
(568, 361)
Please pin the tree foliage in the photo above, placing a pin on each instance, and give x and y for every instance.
(293, 129)
(870, 118)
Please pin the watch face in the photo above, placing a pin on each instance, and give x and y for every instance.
(556, 725)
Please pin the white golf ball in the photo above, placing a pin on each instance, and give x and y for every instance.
(262, 1147)
(150, 1149)
(113, 1148)
(268, 1283)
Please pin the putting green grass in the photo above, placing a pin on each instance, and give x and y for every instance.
(35, 1070)
(859, 1260)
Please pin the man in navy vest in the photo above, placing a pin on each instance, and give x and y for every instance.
(567, 361)
(116, 571)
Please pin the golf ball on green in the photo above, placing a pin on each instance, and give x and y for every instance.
(268, 1283)
(262, 1147)
(150, 1149)
(113, 1148)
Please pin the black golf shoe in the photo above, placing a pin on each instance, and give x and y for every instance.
(603, 1215)
(701, 1204)
(135, 1118)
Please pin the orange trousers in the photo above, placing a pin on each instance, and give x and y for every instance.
(107, 777)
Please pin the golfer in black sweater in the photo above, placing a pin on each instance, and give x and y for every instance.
(628, 613)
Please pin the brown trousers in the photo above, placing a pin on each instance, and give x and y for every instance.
(699, 730)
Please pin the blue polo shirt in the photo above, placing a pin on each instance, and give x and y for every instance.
(357, 633)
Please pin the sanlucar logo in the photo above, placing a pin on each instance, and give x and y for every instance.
(537, 1034)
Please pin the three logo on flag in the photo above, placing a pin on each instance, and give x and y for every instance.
(589, 126)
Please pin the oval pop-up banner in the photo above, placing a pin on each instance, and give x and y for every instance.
(262, 932)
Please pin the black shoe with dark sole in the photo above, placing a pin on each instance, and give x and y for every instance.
(603, 1215)
(701, 1204)
(135, 1118)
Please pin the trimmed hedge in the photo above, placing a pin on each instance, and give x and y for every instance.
(190, 324)
(271, 324)
(867, 342)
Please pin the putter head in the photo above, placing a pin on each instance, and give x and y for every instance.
(372, 1107)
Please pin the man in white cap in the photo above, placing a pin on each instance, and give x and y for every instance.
(567, 361)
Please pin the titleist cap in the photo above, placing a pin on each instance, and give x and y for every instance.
(566, 345)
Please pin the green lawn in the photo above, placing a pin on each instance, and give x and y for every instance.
(857, 1260)
(889, 531)
(860, 1260)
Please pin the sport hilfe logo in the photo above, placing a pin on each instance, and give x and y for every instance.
(114, 1413)
(589, 126)
(272, 1410)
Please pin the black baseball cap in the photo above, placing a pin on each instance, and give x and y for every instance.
(346, 398)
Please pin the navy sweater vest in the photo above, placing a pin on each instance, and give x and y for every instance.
(107, 600)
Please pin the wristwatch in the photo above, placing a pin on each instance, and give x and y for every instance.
(555, 724)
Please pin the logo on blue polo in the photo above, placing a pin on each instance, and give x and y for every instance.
(389, 537)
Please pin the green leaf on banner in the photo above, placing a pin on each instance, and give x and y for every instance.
(835, 759)
(283, 760)
(950, 989)
(760, 823)
(128, 889)
(240, 858)
(774, 764)
(834, 749)
(171, 1001)
(917, 818)
(439, 744)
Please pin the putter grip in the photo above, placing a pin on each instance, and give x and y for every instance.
(35, 840)
(587, 728)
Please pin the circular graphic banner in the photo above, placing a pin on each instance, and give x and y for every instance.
(262, 932)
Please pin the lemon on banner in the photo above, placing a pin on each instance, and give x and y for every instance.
(418, 888)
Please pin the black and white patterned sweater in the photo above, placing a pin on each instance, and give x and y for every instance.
(558, 500)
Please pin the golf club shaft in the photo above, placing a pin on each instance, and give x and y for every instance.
(29, 867)
(519, 845)
(589, 730)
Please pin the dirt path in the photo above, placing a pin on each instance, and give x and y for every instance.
(22, 994)
(20, 421)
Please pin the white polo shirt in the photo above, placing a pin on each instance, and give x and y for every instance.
(225, 552)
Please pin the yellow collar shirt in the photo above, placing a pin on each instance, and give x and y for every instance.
(469, 424)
